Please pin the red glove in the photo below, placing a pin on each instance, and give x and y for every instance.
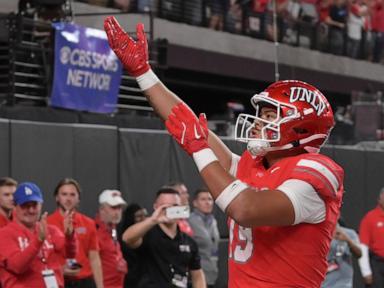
(133, 54)
(191, 133)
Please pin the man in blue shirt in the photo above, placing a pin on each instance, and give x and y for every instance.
(344, 245)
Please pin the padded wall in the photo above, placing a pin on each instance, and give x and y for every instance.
(139, 162)
(5, 144)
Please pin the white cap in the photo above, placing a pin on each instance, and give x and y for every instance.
(111, 197)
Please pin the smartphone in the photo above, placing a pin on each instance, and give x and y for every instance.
(177, 212)
(73, 264)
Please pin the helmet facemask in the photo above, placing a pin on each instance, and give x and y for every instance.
(269, 131)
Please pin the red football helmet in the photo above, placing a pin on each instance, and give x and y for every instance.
(303, 119)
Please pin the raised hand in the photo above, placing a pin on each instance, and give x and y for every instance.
(133, 54)
(191, 133)
(158, 216)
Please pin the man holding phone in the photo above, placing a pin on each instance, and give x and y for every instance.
(168, 255)
(184, 199)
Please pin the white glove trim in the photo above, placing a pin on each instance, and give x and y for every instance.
(147, 80)
(203, 158)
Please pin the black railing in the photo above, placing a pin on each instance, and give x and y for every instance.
(25, 67)
(26, 64)
(304, 29)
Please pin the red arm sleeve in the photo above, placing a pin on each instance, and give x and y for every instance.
(322, 173)
(15, 259)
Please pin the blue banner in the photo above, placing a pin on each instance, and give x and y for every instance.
(87, 73)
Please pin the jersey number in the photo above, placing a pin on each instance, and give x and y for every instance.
(244, 248)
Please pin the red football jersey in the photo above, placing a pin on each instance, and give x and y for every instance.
(289, 256)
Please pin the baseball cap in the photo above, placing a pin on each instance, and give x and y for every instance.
(27, 192)
(111, 197)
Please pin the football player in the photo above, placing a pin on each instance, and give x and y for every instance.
(282, 198)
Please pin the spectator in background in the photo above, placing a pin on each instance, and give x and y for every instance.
(193, 12)
(355, 25)
(281, 11)
(31, 249)
(218, 10)
(234, 17)
(344, 245)
(144, 6)
(168, 255)
(338, 13)
(290, 22)
(322, 26)
(184, 198)
(308, 11)
(368, 35)
(259, 6)
(110, 211)
(378, 29)
(87, 271)
(206, 234)
(7, 188)
(133, 214)
(372, 245)
(123, 5)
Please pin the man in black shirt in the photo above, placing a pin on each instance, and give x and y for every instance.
(168, 255)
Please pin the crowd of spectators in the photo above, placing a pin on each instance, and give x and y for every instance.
(125, 247)
(121, 246)
(354, 28)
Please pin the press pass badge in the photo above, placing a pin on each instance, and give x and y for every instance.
(49, 278)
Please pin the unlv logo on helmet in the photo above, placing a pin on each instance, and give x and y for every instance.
(311, 97)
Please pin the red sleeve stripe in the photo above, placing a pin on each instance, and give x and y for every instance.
(322, 170)
(331, 166)
(318, 176)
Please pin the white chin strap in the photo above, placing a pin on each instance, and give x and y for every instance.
(260, 147)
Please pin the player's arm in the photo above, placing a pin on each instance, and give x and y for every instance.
(163, 100)
(241, 202)
(298, 199)
(134, 56)
(294, 201)
(247, 206)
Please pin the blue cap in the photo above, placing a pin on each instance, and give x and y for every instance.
(27, 192)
